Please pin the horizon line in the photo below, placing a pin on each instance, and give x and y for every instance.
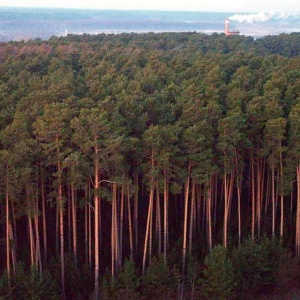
(127, 9)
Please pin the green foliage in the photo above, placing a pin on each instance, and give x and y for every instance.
(218, 280)
(142, 109)
(128, 282)
(159, 281)
(193, 272)
(256, 263)
(128, 278)
(29, 285)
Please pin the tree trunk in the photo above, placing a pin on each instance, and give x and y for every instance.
(166, 209)
(273, 200)
(226, 209)
(136, 210)
(74, 222)
(252, 199)
(239, 187)
(208, 214)
(129, 223)
(30, 229)
(96, 224)
(297, 240)
(44, 217)
(121, 224)
(61, 226)
(185, 221)
(158, 220)
(192, 216)
(38, 258)
(86, 237)
(69, 203)
(7, 234)
(149, 217)
(281, 196)
(13, 250)
(113, 229)
(114, 234)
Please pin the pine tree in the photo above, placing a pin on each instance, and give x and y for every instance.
(218, 276)
(128, 281)
(52, 129)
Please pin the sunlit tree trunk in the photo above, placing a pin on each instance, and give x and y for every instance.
(96, 223)
(297, 242)
(8, 264)
(130, 231)
(86, 233)
(90, 234)
(185, 220)
(259, 196)
(158, 220)
(192, 215)
(38, 258)
(61, 223)
(70, 227)
(44, 217)
(239, 187)
(148, 225)
(268, 192)
(13, 250)
(166, 216)
(57, 229)
(30, 229)
(13, 223)
(273, 200)
(226, 209)
(135, 210)
(74, 222)
(281, 194)
(121, 224)
(252, 199)
(115, 235)
(228, 188)
(208, 213)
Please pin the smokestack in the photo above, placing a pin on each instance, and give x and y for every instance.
(227, 26)
(227, 29)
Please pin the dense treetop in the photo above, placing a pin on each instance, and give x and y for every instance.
(130, 145)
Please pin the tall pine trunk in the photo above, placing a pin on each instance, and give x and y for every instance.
(166, 216)
(44, 217)
(297, 239)
(130, 231)
(185, 220)
(208, 213)
(148, 225)
(8, 269)
(96, 223)
(74, 222)
(61, 225)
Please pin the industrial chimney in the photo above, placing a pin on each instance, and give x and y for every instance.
(228, 31)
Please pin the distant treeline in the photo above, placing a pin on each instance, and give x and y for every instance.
(153, 150)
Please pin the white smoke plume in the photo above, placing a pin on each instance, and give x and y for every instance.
(259, 17)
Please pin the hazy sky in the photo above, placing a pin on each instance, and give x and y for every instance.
(286, 6)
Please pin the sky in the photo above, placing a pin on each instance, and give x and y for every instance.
(282, 6)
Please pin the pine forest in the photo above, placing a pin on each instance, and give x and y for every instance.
(150, 166)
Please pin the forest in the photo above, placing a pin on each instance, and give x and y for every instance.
(150, 166)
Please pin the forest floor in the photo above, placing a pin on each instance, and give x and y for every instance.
(293, 294)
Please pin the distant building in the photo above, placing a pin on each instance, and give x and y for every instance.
(227, 29)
